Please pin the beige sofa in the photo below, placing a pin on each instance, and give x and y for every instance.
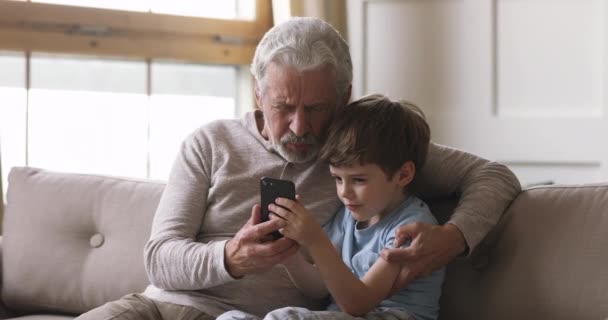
(72, 242)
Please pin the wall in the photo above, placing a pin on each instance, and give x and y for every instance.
(519, 81)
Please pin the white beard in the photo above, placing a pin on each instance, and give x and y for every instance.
(289, 137)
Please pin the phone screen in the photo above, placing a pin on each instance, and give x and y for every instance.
(270, 189)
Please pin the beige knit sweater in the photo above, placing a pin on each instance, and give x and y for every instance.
(215, 182)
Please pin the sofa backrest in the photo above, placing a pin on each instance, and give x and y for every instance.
(72, 241)
(549, 261)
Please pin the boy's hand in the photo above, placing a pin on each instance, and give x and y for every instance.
(301, 226)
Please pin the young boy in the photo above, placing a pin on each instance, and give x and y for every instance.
(373, 179)
(373, 172)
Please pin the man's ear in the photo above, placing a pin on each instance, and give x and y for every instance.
(406, 173)
(258, 96)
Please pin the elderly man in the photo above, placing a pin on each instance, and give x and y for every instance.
(209, 252)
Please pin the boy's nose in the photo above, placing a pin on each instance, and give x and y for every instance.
(345, 192)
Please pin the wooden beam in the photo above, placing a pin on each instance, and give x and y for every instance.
(27, 26)
(263, 16)
(202, 50)
(30, 13)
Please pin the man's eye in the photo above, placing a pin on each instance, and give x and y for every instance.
(316, 108)
(280, 108)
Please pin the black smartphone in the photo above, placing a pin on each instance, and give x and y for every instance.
(270, 189)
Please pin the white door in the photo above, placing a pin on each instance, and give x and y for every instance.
(523, 82)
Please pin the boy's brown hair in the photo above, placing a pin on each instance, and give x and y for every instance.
(377, 130)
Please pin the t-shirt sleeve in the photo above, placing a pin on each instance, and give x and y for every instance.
(420, 214)
(389, 239)
(335, 227)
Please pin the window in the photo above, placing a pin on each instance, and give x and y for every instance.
(91, 90)
(87, 115)
(183, 98)
(92, 115)
(12, 112)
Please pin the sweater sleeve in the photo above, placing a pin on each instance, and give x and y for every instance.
(174, 260)
(486, 189)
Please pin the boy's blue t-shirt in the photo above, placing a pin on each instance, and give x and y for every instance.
(361, 248)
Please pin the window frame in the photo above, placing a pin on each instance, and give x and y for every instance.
(52, 28)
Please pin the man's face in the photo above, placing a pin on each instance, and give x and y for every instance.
(297, 107)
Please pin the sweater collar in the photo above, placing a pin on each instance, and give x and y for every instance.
(250, 122)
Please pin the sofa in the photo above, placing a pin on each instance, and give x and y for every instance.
(72, 242)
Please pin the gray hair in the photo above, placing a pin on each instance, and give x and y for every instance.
(304, 43)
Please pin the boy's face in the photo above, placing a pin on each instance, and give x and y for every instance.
(367, 191)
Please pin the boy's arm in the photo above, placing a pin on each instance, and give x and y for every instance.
(306, 277)
(354, 296)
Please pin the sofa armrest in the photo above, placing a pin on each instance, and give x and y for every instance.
(4, 313)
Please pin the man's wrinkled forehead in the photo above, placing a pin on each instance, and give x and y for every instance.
(284, 84)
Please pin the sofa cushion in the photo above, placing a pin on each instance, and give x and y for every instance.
(42, 317)
(549, 261)
(72, 241)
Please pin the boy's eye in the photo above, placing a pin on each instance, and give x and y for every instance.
(338, 179)
(359, 180)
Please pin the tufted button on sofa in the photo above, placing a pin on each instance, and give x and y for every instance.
(72, 242)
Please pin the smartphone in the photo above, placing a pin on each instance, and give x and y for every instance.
(270, 189)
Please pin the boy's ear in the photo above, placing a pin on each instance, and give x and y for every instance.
(347, 95)
(406, 173)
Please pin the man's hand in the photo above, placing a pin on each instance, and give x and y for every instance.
(432, 247)
(251, 252)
